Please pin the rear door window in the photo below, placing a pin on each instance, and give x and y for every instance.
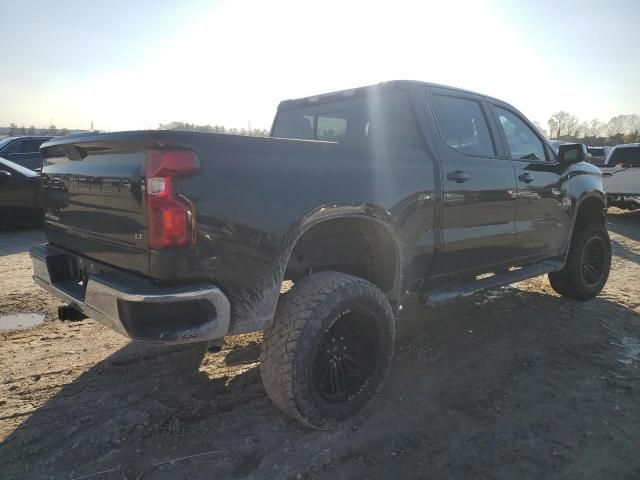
(523, 143)
(32, 146)
(463, 125)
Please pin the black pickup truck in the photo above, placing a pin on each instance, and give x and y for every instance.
(359, 198)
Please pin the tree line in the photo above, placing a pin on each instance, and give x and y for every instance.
(13, 130)
(192, 127)
(566, 126)
(562, 126)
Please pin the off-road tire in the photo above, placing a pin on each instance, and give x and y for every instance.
(306, 319)
(570, 281)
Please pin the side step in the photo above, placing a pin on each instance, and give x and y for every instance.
(452, 292)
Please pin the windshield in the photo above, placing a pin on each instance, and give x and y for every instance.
(5, 141)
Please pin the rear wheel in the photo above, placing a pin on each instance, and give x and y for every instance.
(329, 348)
(588, 263)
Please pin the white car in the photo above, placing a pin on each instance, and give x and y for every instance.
(621, 176)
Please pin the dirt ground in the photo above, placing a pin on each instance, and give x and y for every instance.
(512, 383)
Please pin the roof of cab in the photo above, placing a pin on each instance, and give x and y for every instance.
(29, 137)
(358, 91)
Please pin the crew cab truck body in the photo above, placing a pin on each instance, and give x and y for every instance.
(621, 176)
(377, 192)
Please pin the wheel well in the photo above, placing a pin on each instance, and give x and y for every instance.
(590, 209)
(357, 246)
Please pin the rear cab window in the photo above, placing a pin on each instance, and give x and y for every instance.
(381, 119)
(332, 126)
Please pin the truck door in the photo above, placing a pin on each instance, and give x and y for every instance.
(478, 186)
(542, 213)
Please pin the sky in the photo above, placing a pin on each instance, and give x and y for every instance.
(134, 64)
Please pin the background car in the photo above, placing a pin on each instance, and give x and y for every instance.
(621, 176)
(24, 151)
(626, 155)
(598, 154)
(20, 195)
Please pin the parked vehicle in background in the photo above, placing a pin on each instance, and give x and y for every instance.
(556, 144)
(173, 237)
(621, 176)
(24, 150)
(598, 154)
(20, 195)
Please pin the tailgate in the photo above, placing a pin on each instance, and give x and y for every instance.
(94, 200)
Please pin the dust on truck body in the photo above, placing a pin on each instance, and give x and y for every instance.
(359, 198)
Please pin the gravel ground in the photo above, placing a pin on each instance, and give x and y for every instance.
(511, 383)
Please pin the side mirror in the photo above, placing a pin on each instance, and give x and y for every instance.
(5, 176)
(573, 153)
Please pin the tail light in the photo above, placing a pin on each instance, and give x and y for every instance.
(169, 216)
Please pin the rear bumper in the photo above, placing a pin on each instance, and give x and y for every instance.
(130, 304)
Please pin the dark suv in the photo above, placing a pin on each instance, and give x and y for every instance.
(598, 154)
(24, 151)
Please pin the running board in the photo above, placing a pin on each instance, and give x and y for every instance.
(453, 292)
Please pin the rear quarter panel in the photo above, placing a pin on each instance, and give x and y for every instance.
(256, 196)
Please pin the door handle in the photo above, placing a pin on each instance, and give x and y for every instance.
(525, 177)
(458, 176)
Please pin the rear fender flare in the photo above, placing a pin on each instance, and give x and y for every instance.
(327, 213)
(257, 303)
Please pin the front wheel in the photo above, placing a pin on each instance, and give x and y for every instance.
(329, 348)
(588, 263)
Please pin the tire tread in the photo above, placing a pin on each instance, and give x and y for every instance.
(282, 340)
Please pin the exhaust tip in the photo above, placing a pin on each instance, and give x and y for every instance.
(216, 345)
